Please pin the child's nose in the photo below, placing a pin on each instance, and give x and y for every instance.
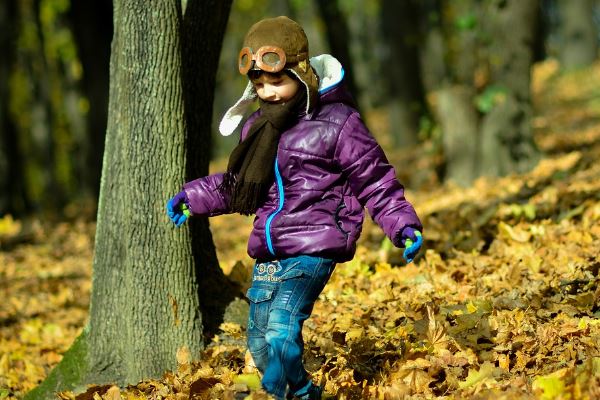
(269, 92)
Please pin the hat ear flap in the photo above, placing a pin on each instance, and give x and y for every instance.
(235, 114)
(310, 82)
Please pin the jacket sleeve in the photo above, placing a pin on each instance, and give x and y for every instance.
(373, 180)
(205, 197)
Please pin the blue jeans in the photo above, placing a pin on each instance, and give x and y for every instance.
(282, 297)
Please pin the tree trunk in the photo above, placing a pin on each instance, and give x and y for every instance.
(579, 34)
(29, 110)
(11, 178)
(432, 53)
(497, 71)
(338, 33)
(460, 124)
(92, 28)
(400, 26)
(145, 301)
(507, 135)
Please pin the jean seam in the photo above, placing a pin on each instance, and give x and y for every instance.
(311, 286)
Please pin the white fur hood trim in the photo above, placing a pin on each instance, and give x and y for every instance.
(328, 69)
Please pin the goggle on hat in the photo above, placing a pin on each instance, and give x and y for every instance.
(272, 45)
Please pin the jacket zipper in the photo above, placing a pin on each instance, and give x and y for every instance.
(280, 191)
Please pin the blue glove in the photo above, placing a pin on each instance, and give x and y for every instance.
(178, 208)
(412, 240)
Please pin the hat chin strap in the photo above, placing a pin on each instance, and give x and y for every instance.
(306, 87)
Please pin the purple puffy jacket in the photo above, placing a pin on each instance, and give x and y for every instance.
(328, 167)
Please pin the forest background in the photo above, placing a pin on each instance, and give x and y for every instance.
(502, 167)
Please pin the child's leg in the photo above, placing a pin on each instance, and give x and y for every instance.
(301, 281)
(257, 327)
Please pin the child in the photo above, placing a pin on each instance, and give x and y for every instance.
(306, 165)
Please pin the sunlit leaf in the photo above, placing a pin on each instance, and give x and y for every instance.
(486, 371)
(551, 386)
(250, 380)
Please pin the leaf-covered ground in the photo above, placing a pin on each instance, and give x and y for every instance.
(503, 303)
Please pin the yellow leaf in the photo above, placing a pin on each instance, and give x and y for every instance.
(8, 226)
(231, 328)
(486, 371)
(551, 386)
(183, 355)
(4, 364)
(471, 308)
(513, 233)
(250, 380)
(113, 393)
(354, 334)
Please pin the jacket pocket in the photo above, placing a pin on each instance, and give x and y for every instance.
(337, 217)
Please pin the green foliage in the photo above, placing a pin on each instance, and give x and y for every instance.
(525, 210)
(490, 97)
(467, 22)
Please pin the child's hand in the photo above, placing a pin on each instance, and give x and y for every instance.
(412, 240)
(178, 208)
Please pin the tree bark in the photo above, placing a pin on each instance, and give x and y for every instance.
(579, 34)
(507, 135)
(338, 33)
(497, 72)
(400, 26)
(92, 28)
(432, 53)
(146, 281)
(460, 124)
(12, 196)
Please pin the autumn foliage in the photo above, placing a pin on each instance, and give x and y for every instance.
(503, 303)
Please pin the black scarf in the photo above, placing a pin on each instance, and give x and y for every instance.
(251, 164)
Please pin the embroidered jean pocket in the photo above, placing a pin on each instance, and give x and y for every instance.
(260, 303)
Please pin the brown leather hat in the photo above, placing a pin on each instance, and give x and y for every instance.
(287, 35)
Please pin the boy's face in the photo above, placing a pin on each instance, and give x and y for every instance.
(275, 88)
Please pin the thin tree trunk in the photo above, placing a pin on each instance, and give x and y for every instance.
(92, 27)
(432, 54)
(11, 178)
(507, 135)
(579, 34)
(400, 26)
(29, 110)
(145, 301)
(460, 124)
(203, 19)
(338, 33)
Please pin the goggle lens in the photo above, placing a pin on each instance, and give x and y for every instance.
(267, 58)
(271, 59)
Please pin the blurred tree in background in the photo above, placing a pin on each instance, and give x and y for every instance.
(454, 73)
(47, 111)
(483, 105)
(578, 32)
